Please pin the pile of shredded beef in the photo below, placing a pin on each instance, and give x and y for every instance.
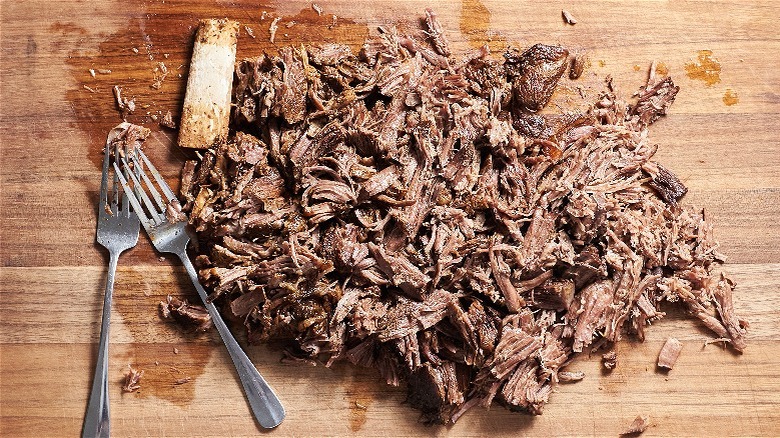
(411, 211)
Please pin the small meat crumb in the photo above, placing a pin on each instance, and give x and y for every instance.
(669, 353)
(118, 96)
(132, 380)
(173, 212)
(124, 105)
(333, 21)
(103, 71)
(715, 341)
(90, 89)
(135, 50)
(182, 381)
(249, 31)
(639, 425)
(92, 72)
(263, 15)
(609, 360)
(577, 65)
(175, 350)
(160, 73)
(568, 17)
(317, 8)
(290, 24)
(570, 376)
(273, 27)
(167, 120)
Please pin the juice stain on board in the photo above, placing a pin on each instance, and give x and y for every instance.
(662, 69)
(730, 97)
(705, 69)
(170, 370)
(475, 26)
(171, 356)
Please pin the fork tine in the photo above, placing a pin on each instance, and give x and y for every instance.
(155, 216)
(132, 198)
(137, 172)
(125, 201)
(116, 191)
(104, 180)
(152, 189)
(163, 185)
(114, 204)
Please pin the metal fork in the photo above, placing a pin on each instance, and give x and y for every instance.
(172, 237)
(117, 231)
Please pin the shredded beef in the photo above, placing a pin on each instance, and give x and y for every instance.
(414, 212)
(132, 381)
(192, 316)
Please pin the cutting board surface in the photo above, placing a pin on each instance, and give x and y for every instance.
(720, 137)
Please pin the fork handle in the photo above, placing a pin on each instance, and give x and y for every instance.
(96, 422)
(266, 407)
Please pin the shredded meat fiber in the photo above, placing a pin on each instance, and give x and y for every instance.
(414, 212)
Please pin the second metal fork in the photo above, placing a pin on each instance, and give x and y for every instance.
(169, 234)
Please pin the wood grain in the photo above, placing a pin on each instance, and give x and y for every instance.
(52, 129)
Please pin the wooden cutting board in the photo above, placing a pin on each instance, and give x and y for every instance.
(720, 138)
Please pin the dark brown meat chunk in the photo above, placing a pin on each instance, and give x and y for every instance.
(609, 360)
(191, 316)
(554, 295)
(577, 66)
(535, 75)
(654, 101)
(292, 96)
(436, 391)
(667, 185)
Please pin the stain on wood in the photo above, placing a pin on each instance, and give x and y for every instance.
(730, 97)
(706, 68)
